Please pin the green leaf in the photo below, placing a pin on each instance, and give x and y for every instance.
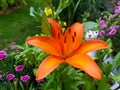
(116, 61)
(103, 84)
(46, 28)
(62, 5)
(21, 85)
(48, 3)
(116, 78)
(90, 25)
(108, 68)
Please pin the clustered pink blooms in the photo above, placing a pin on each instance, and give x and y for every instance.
(10, 76)
(111, 28)
(3, 55)
(19, 68)
(117, 8)
(25, 78)
(111, 31)
(102, 24)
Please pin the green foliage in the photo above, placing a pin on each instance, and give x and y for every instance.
(116, 61)
(63, 78)
(18, 25)
(116, 78)
(26, 56)
(46, 28)
(90, 25)
(5, 4)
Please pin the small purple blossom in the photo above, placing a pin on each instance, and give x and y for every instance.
(102, 24)
(118, 3)
(0, 76)
(114, 15)
(25, 78)
(17, 49)
(102, 32)
(19, 68)
(117, 11)
(5, 49)
(3, 55)
(116, 27)
(10, 76)
(13, 43)
(112, 30)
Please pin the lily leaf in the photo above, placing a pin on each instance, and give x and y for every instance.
(116, 78)
(116, 61)
(90, 25)
(46, 28)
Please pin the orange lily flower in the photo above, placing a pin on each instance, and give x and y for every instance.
(67, 48)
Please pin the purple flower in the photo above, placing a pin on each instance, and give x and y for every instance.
(102, 32)
(118, 3)
(19, 68)
(18, 49)
(102, 24)
(5, 49)
(25, 78)
(0, 76)
(114, 15)
(3, 55)
(117, 11)
(12, 43)
(116, 27)
(10, 76)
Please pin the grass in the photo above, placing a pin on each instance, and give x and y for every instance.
(17, 26)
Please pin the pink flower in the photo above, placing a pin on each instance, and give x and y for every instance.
(0, 76)
(3, 55)
(13, 45)
(10, 76)
(112, 30)
(102, 32)
(25, 78)
(102, 24)
(19, 68)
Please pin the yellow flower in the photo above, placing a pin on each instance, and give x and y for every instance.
(48, 11)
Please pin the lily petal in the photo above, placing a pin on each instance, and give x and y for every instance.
(48, 44)
(47, 66)
(73, 37)
(85, 63)
(56, 28)
(92, 45)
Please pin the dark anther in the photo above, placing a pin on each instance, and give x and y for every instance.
(73, 39)
(74, 34)
(69, 30)
(65, 40)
